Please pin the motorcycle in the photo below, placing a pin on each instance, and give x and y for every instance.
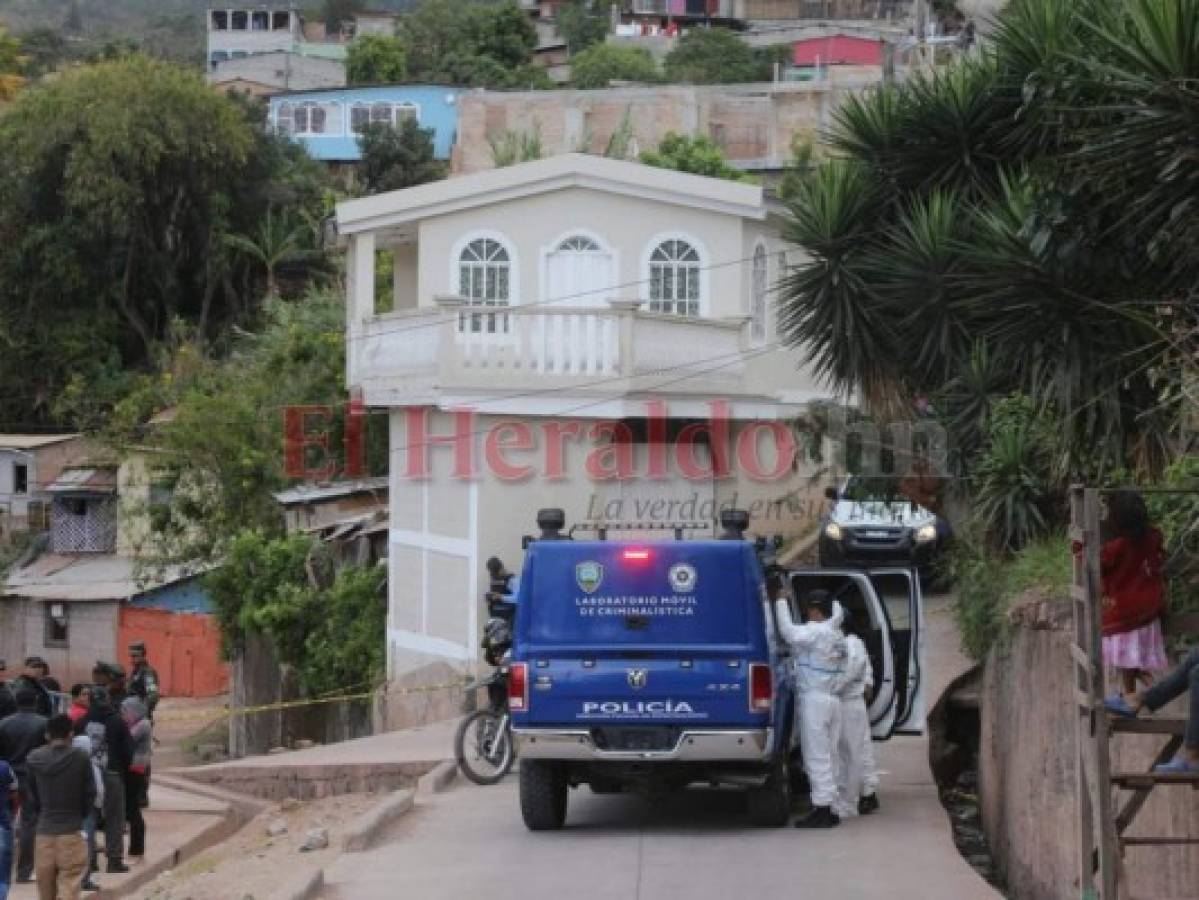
(483, 745)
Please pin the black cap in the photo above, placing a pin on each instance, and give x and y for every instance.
(551, 521)
(734, 522)
(819, 599)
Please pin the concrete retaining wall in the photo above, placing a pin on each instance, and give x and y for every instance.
(309, 782)
(1027, 776)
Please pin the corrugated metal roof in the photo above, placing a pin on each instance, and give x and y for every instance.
(32, 441)
(95, 480)
(103, 576)
(310, 493)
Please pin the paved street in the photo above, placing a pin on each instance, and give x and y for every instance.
(471, 842)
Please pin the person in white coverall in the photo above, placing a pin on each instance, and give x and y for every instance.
(818, 659)
(857, 779)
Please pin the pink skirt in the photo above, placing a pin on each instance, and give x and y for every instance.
(1141, 649)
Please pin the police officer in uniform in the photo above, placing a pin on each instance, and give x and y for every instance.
(143, 680)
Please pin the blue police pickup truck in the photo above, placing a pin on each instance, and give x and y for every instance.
(654, 665)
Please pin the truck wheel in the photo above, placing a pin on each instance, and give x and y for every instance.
(542, 795)
(770, 805)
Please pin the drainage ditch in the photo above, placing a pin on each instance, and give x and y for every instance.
(954, 728)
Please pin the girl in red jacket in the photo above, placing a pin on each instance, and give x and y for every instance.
(1133, 593)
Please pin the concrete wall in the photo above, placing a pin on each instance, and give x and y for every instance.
(1027, 773)
(753, 124)
(284, 71)
(92, 636)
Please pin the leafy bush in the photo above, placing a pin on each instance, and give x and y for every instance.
(986, 584)
(601, 64)
(376, 59)
(328, 625)
(711, 56)
(1177, 515)
(1011, 488)
(697, 155)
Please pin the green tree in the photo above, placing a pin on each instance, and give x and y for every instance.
(277, 240)
(45, 49)
(471, 43)
(601, 64)
(395, 158)
(376, 59)
(328, 625)
(1031, 202)
(711, 56)
(122, 180)
(697, 155)
(583, 23)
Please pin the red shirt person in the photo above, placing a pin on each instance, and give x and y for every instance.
(1134, 593)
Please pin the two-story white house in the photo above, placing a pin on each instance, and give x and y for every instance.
(573, 332)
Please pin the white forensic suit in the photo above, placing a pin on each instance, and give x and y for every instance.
(856, 773)
(818, 658)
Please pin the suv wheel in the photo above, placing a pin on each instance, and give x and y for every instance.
(542, 795)
(770, 804)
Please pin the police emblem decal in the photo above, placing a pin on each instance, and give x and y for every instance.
(638, 677)
(683, 577)
(589, 575)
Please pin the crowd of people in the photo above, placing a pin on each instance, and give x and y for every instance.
(74, 768)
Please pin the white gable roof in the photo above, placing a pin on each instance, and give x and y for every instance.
(545, 175)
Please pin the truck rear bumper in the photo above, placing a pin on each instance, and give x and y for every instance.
(577, 745)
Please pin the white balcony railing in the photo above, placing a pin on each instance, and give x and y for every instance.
(615, 349)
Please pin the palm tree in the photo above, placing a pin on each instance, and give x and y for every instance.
(1041, 202)
(279, 239)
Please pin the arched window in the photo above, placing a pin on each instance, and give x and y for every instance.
(483, 272)
(579, 271)
(484, 279)
(578, 244)
(674, 272)
(758, 287)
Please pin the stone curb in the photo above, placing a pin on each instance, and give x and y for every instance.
(305, 887)
(224, 825)
(438, 779)
(375, 820)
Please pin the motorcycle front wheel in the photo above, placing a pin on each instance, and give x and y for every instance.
(483, 747)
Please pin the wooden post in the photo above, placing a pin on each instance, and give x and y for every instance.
(1082, 732)
(1098, 848)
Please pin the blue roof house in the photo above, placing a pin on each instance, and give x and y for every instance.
(328, 122)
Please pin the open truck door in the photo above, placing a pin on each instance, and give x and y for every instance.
(856, 593)
(899, 590)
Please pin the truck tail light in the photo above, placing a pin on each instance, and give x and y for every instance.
(761, 688)
(518, 687)
(636, 554)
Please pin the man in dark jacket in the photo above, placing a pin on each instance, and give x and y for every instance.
(64, 789)
(31, 677)
(21, 734)
(8, 702)
(112, 751)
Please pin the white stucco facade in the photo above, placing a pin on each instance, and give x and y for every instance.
(544, 314)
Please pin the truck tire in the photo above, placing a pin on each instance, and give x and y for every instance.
(542, 795)
(770, 804)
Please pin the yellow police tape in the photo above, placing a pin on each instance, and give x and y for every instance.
(229, 712)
